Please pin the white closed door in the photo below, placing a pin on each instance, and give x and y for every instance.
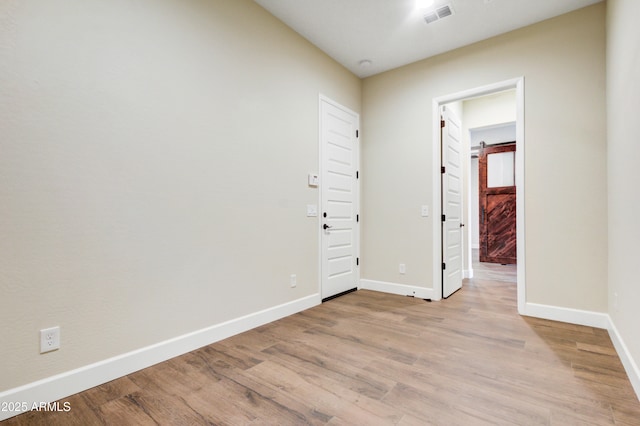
(451, 204)
(339, 198)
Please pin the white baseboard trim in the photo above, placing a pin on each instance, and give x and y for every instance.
(467, 273)
(74, 381)
(393, 288)
(629, 364)
(573, 316)
(591, 319)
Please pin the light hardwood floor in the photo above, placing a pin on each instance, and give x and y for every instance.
(374, 359)
(492, 271)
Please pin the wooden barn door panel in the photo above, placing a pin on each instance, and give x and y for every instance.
(497, 204)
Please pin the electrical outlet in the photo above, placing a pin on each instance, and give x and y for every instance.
(49, 339)
(403, 268)
(293, 280)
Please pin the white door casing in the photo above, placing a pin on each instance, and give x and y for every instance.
(518, 84)
(339, 198)
(451, 203)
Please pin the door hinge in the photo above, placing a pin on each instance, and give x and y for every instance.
(442, 123)
(443, 169)
(357, 261)
(357, 174)
(357, 133)
(444, 266)
(444, 217)
(357, 218)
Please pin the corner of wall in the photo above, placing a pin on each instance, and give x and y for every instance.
(630, 365)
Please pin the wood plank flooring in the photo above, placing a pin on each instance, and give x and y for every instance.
(492, 271)
(376, 359)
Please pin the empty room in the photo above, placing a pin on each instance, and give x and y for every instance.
(319, 212)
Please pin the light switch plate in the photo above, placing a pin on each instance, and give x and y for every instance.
(313, 179)
(312, 210)
(425, 211)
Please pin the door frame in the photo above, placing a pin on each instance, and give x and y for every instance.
(437, 103)
(322, 98)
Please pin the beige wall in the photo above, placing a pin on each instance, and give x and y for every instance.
(623, 105)
(562, 60)
(497, 108)
(153, 172)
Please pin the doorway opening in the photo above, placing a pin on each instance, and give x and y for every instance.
(439, 196)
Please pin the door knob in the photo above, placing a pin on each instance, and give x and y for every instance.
(325, 226)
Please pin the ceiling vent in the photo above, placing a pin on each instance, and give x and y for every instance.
(438, 13)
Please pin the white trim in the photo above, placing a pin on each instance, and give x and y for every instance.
(83, 378)
(436, 201)
(573, 316)
(468, 230)
(591, 319)
(394, 288)
(520, 180)
(518, 84)
(629, 364)
(493, 127)
(321, 98)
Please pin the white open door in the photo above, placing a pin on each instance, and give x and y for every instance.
(339, 199)
(451, 203)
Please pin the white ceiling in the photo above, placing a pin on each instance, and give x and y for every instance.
(392, 33)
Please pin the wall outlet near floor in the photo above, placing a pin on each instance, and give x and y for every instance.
(49, 339)
(403, 268)
(293, 281)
